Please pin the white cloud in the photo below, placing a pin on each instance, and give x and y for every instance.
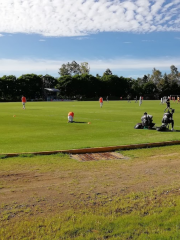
(135, 64)
(83, 17)
(42, 40)
(1, 35)
(42, 66)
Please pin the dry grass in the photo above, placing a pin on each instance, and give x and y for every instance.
(45, 186)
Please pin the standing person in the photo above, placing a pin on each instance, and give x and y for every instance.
(140, 101)
(101, 101)
(23, 99)
(161, 101)
(177, 99)
(107, 98)
(165, 99)
(70, 117)
(167, 104)
(128, 97)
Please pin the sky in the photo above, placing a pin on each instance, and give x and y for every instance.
(130, 37)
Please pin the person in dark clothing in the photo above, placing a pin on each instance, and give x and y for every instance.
(128, 98)
(168, 118)
(167, 104)
(146, 120)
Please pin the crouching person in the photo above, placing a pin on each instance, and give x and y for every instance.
(144, 120)
(70, 117)
(168, 118)
(147, 121)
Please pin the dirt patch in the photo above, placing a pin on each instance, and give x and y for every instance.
(98, 156)
(165, 155)
(39, 193)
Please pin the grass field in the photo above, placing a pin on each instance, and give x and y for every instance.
(43, 125)
(56, 197)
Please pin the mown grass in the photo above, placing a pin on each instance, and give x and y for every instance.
(132, 221)
(112, 213)
(43, 125)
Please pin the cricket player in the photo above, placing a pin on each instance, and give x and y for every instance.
(140, 101)
(101, 101)
(128, 98)
(23, 99)
(136, 99)
(167, 104)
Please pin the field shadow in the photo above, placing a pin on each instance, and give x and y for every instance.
(167, 130)
(171, 131)
(78, 122)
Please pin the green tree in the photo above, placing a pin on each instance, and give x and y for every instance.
(91, 86)
(71, 69)
(75, 68)
(137, 88)
(8, 87)
(64, 84)
(149, 90)
(163, 86)
(174, 76)
(65, 70)
(145, 79)
(156, 76)
(84, 68)
(107, 72)
(29, 85)
(49, 81)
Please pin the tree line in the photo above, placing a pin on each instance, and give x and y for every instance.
(76, 82)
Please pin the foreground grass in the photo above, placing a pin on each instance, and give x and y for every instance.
(136, 198)
(43, 125)
(137, 216)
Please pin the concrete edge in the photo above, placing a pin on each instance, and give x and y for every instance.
(98, 149)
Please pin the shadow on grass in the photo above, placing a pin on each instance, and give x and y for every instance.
(79, 122)
(173, 131)
(168, 130)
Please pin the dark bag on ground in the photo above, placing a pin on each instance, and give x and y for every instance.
(161, 128)
(138, 126)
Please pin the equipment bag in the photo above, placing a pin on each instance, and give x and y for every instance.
(138, 126)
(161, 128)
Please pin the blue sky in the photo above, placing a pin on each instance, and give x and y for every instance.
(131, 37)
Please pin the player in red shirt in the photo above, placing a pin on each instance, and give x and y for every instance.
(101, 101)
(23, 99)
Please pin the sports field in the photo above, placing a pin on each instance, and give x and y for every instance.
(58, 197)
(43, 125)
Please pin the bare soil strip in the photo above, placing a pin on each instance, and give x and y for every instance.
(98, 156)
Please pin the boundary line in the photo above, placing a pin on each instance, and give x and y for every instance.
(98, 149)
